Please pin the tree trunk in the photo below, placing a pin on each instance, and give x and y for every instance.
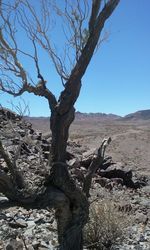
(59, 124)
(70, 223)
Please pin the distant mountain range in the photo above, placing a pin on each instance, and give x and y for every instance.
(43, 123)
(139, 115)
(95, 116)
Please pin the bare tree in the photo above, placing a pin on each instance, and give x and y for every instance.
(83, 22)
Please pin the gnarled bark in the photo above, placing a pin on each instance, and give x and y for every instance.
(60, 130)
(61, 119)
(71, 234)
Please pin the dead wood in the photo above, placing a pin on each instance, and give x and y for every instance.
(96, 162)
(87, 159)
(126, 176)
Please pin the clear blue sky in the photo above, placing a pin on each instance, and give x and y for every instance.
(118, 77)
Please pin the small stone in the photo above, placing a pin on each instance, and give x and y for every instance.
(21, 223)
(142, 238)
(31, 224)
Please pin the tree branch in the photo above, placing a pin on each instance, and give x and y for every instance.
(95, 10)
(41, 90)
(73, 85)
(92, 41)
(95, 164)
(9, 54)
(12, 52)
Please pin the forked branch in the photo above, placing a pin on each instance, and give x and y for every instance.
(95, 164)
(97, 21)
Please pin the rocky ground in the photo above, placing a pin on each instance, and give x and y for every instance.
(34, 229)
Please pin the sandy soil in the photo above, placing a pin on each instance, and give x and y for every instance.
(130, 140)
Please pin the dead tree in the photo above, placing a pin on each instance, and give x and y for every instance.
(83, 31)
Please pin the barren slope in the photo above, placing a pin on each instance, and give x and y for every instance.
(130, 140)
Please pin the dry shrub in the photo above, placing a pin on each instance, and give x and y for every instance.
(106, 228)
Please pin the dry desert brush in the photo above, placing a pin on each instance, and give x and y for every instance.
(107, 227)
